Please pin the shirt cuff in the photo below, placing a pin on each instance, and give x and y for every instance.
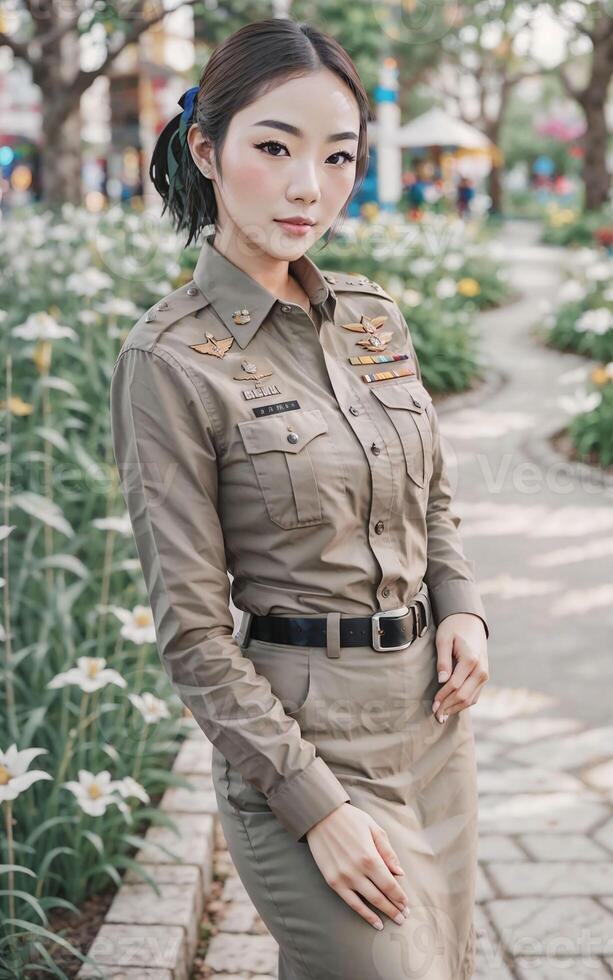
(457, 596)
(304, 799)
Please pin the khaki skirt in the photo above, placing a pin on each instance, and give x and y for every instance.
(369, 714)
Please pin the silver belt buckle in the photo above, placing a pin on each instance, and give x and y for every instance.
(386, 614)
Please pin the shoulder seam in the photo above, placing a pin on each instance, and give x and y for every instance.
(178, 365)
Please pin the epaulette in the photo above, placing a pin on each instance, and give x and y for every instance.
(353, 282)
(188, 298)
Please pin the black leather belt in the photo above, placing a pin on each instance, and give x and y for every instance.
(390, 629)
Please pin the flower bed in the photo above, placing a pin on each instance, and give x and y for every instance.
(439, 276)
(583, 320)
(82, 691)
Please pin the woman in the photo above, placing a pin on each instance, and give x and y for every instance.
(254, 435)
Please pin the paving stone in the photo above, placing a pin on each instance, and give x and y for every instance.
(489, 961)
(540, 812)
(601, 776)
(194, 757)
(526, 779)
(552, 926)
(483, 887)
(497, 847)
(192, 845)
(234, 890)
(110, 973)
(177, 905)
(200, 799)
(499, 703)
(560, 968)
(570, 752)
(561, 847)
(604, 835)
(251, 954)
(486, 751)
(524, 731)
(240, 917)
(159, 947)
(170, 874)
(553, 877)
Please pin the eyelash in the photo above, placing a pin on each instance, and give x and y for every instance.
(349, 157)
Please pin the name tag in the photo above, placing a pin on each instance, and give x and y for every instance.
(276, 407)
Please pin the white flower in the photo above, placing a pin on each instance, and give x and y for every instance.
(571, 292)
(41, 326)
(150, 707)
(595, 321)
(90, 675)
(95, 792)
(138, 625)
(598, 272)
(116, 306)
(88, 317)
(118, 523)
(129, 787)
(581, 402)
(421, 266)
(89, 282)
(584, 256)
(453, 261)
(411, 297)
(5, 530)
(13, 776)
(446, 288)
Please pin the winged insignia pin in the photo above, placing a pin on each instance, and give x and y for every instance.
(213, 346)
(369, 325)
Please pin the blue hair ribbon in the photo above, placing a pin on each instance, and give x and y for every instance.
(186, 102)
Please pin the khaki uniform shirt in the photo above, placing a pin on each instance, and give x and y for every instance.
(317, 490)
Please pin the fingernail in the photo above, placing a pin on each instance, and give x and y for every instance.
(378, 925)
(435, 705)
(399, 919)
(406, 911)
(443, 675)
(444, 718)
(440, 719)
(399, 871)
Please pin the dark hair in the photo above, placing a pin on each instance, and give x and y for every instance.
(241, 68)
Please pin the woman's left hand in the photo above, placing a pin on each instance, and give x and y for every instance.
(460, 636)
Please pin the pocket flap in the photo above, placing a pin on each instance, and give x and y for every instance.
(403, 395)
(266, 434)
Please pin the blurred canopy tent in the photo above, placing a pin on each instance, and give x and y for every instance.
(436, 128)
(453, 144)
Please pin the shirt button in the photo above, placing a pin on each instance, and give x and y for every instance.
(375, 449)
(293, 437)
(385, 591)
(286, 309)
(354, 410)
(379, 526)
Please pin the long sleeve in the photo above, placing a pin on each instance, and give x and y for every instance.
(166, 452)
(450, 575)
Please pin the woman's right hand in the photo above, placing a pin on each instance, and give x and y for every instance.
(356, 858)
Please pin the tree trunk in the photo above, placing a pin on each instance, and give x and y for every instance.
(593, 100)
(61, 125)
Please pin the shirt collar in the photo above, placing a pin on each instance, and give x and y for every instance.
(229, 290)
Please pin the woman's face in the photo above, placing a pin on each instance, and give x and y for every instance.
(291, 152)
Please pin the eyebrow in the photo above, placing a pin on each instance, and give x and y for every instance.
(288, 128)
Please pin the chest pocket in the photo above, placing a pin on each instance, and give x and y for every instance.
(405, 404)
(291, 454)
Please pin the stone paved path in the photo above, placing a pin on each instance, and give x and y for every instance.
(543, 548)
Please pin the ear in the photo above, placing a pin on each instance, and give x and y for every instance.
(201, 150)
